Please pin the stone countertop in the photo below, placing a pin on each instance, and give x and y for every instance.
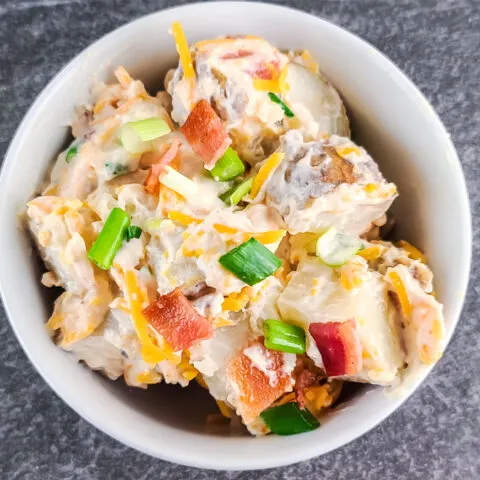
(436, 433)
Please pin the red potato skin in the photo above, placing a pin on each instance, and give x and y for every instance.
(205, 133)
(339, 347)
(255, 391)
(173, 317)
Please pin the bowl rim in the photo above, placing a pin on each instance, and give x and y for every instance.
(240, 463)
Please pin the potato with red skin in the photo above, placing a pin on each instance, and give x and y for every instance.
(205, 133)
(173, 317)
(339, 347)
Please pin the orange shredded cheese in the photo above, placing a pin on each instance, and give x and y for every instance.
(220, 322)
(201, 381)
(371, 253)
(413, 252)
(183, 52)
(309, 62)
(151, 353)
(265, 171)
(370, 187)
(266, 85)
(268, 237)
(401, 292)
(282, 80)
(148, 377)
(123, 76)
(236, 300)
(180, 217)
(224, 409)
(348, 150)
(349, 281)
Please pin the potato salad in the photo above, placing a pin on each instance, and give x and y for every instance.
(228, 231)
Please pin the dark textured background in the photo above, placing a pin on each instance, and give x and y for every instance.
(436, 434)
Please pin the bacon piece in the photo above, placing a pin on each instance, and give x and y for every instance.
(151, 182)
(173, 317)
(205, 133)
(256, 390)
(306, 374)
(339, 347)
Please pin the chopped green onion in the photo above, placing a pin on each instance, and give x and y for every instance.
(251, 262)
(152, 224)
(335, 248)
(136, 136)
(276, 99)
(228, 166)
(133, 232)
(283, 337)
(71, 152)
(178, 182)
(110, 239)
(289, 419)
(235, 194)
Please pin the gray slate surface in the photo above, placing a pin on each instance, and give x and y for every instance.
(435, 435)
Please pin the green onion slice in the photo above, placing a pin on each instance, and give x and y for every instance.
(228, 166)
(283, 337)
(178, 182)
(251, 262)
(335, 248)
(71, 152)
(133, 232)
(136, 136)
(289, 419)
(110, 239)
(276, 99)
(152, 225)
(235, 194)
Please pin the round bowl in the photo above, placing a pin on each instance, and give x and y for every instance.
(391, 119)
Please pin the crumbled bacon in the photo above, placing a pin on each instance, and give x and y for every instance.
(339, 346)
(256, 390)
(151, 182)
(205, 133)
(173, 317)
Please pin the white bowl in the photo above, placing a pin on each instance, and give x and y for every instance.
(392, 120)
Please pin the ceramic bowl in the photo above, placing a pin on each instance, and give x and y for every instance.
(391, 118)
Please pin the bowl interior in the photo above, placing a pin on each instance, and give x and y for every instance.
(391, 119)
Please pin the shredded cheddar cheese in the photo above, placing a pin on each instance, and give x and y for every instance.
(349, 281)
(149, 378)
(413, 252)
(266, 85)
(309, 62)
(151, 353)
(224, 409)
(220, 322)
(236, 301)
(370, 187)
(183, 53)
(371, 253)
(266, 238)
(282, 80)
(123, 76)
(200, 380)
(265, 171)
(401, 292)
(180, 217)
(347, 151)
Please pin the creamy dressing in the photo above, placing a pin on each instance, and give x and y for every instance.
(322, 181)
